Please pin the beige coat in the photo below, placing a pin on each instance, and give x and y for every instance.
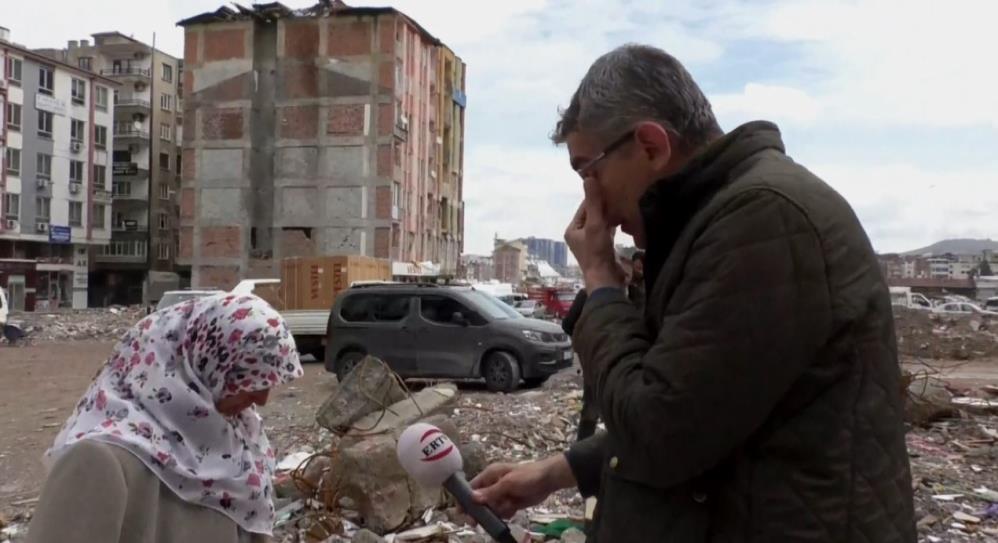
(102, 493)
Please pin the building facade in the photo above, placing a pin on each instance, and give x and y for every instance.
(551, 251)
(146, 164)
(57, 134)
(510, 261)
(328, 130)
(945, 266)
(477, 268)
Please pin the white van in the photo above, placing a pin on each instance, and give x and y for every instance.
(904, 297)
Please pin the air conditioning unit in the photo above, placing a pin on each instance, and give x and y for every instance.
(42, 226)
(74, 188)
(11, 224)
(43, 182)
(75, 146)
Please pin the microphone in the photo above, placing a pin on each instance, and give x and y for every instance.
(432, 459)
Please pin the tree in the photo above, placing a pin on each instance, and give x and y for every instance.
(985, 268)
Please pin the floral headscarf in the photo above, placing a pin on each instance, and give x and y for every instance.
(156, 397)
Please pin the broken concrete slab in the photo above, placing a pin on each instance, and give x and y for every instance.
(366, 536)
(927, 401)
(422, 404)
(368, 388)
(368, 473)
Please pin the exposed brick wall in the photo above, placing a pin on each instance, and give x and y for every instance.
(386, 76)
(384, 161)
(298, 122)
(222, 124)
(383, 203)
(234, 88)
(386, 119)
(223, 277)
(189, 171)
(224, 44)
(301, 39)
(300, 80)
(221, 242)
(186, 242)
(382, 242)
(294, 242)
(346, 120)
(186, 201)
(191, 40)
(353, 38)
(386, 33)
(189, 82)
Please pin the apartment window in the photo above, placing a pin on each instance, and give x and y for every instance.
(12, 161)
(75, 171)
(43, 207)
(101, 97)
(76, 129)
(14, 66)
(121, 188)
(100, 136)
(164, 161)
(165, 102)
(13, 116)
(79, 91)
(100, 177)
(44, 166)
(12, 206)
(165, 132)
(87, 63)
(125, 248)
(45, 124)
(164, 251)
(167, 73)
(46, 80)
(164, 191)
(164, 223)
(76, 213)
(97, 216)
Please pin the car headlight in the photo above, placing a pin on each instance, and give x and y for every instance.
(536, 337)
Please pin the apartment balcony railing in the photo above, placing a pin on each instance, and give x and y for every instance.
(126, 71)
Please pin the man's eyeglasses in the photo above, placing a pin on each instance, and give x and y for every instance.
(616, 144)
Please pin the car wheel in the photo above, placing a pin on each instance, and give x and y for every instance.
(501, 372)
(347, 362)
(534, 382)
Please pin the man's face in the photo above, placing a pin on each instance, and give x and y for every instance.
(624, 173)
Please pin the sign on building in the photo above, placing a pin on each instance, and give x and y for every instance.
(62, 235)
(50, 104)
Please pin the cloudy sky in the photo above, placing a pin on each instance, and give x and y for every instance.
(893, 102)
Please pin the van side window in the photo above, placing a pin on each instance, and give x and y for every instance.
(375, 308)
(441, 309)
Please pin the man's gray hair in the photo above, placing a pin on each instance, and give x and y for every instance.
(635, 83)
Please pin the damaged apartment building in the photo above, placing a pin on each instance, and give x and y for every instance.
(331, 130)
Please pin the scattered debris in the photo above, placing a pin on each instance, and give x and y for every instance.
(978, 405)
(931, 335)
(927, 400)
(103, 324)
(370, 386)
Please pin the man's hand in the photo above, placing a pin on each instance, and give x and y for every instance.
(590, 238)
(508, 488)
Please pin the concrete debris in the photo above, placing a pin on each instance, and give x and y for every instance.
(104, 324)
(931, 335)
(964, 517)
(370, 387)
(927, 400)
(404, 412)
(573, 535)
(977, 405)
(366, 536)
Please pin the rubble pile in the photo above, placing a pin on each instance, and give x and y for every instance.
(104, 324)
(937, 336)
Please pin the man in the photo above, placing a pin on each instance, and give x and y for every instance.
(758, 397)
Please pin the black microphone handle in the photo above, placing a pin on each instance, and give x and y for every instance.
(486, 518)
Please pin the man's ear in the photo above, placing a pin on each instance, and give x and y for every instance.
(654, 143)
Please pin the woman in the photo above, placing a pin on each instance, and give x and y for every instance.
(166, 445)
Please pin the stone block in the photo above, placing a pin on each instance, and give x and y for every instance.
(370, 385)
(345, 203)
(301, 39)
(424, 403)
(298, 122)
(221, 164)
(297, 162)
(371, 477)
(221, 242)
(222, 124)
(223, 206)
(349, 39)
(224, 44)
(345, 120)
(343, 165)
(300, 206)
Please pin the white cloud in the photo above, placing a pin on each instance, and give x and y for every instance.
(771, 102)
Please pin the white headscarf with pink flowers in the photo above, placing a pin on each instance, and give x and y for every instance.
(156, 397)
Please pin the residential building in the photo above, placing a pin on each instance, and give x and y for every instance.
(944, 266)
(551, 251)
(325, 130)
(56, 207)
(510, 260)
(145, 174)
(477, 268)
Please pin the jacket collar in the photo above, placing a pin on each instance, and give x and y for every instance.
(672, 201)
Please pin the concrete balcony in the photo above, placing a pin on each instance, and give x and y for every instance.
(131, 133)
(129, 226)
(132, 104)
(126, 72)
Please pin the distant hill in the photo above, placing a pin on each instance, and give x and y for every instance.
(956, 247)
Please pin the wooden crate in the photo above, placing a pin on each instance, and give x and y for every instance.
(314, 282)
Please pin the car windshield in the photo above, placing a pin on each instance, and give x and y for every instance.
(491, 306)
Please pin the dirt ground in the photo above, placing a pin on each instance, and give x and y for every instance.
(40, 384)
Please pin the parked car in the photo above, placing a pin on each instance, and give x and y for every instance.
(174, 297)
(431, 331)
(529, 308)
(963, 308)
(991, 304)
